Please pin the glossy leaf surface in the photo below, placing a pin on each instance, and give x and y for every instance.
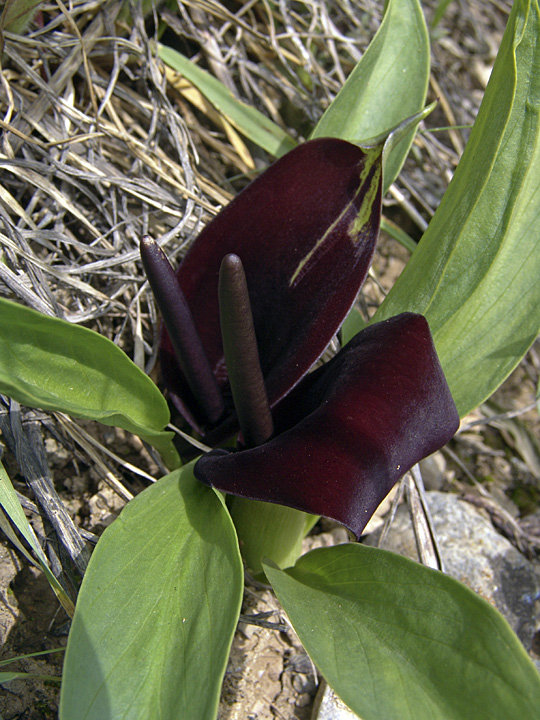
(157, 609)
(305, 231)
(475, 272)
(395, 639)
(388, 85)
(350, 430)
(51, 364)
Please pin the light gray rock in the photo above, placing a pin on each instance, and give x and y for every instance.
(329, 707)
(433, 469)
(477, 555)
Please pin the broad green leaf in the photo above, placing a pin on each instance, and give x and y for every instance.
(395, 639)
(10, 503)
(475, 272)
(246, 119)
(157, 609)
(388, 85)
(51, 364)
(267, 530)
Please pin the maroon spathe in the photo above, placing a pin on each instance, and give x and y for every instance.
(305, 258)
(350, 430)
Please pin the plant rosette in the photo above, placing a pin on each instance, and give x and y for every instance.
(253, 306)
(251, 309)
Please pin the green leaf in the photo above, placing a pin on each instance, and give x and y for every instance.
(17, 15)
(246, 119)
(267, 530)
(475, 272)
(12, 507)
(441, 9)
(8, 661)
(157, 609)
(388, 85)
(6, 677)
(352, 325)
(390, 227)
(395, 639)
(51, 364)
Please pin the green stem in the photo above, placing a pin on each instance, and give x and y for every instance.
(269, 531)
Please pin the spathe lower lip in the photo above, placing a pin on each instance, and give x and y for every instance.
(350, 430)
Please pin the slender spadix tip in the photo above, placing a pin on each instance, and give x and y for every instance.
(147, 243)
(150, 252)
(231, 262)
(241, 354)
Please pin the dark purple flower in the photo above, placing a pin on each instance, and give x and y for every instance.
(349, 430)
(305, 231)
(254, 304)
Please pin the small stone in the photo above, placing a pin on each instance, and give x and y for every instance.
(56, 453)
(303, 684)
(329, 707)
(303, 700)
(104, 506)
(376, 522)
(340, 535)
(248, 630)
(259, 707)
(433, 468)
(336, 536)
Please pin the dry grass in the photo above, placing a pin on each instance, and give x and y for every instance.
(102, 144)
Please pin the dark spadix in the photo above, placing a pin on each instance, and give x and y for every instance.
(184, 338)
(350, 429)
(242, 354)
(305, 231)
